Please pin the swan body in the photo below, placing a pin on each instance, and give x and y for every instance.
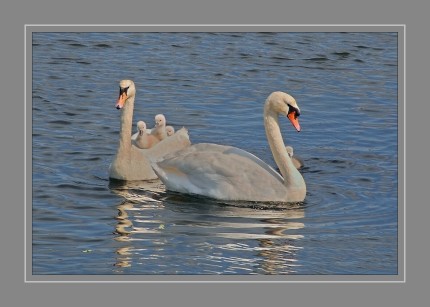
(131, 162)
(143, 139)
(298, 162)
(229, 173)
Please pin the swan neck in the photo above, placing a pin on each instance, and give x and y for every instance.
(277, 146)
(126, 126)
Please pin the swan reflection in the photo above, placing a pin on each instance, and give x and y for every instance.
(138, 197)
(166, 231)
(277, 243)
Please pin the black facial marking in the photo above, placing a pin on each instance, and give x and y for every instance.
(293, 109)
(123, 90)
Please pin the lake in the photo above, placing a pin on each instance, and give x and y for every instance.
(215, 85)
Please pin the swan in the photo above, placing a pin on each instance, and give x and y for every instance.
(229, 173)
(159, 130)
(143, 139)
(298, 162)
(131, 162)
(170, 130)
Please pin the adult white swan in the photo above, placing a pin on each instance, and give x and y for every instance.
(229, 173)
(131, 162)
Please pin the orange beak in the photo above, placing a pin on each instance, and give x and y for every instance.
(294, 120)
(121, 100)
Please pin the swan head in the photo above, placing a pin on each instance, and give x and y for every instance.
(282, 103)
(126, 90)
(170, 130)
(141, 127)
(160, 120)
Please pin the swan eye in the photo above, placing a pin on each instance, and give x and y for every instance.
(123, 90)
(292, 109)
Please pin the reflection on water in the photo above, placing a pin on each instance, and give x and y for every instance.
(133, 195)
(275, 231)
(270, 232)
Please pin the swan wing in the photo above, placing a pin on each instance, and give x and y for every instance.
(261, 163)
(221, 172)
(209, 147)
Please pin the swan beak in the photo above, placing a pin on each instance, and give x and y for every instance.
(121, 100)
(294, 120)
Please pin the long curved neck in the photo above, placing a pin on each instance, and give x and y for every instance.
(292, 177)
(124, 147)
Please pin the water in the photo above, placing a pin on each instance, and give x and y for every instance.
(215, 85)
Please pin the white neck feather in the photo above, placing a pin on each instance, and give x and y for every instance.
(293, 180)
(126, 126)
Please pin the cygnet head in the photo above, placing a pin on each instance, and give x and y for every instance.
(141, 127)
(297, 161)
(170, 130)
(160, 120)
(289, 150)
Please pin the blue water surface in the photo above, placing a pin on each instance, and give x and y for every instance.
(215, 84)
